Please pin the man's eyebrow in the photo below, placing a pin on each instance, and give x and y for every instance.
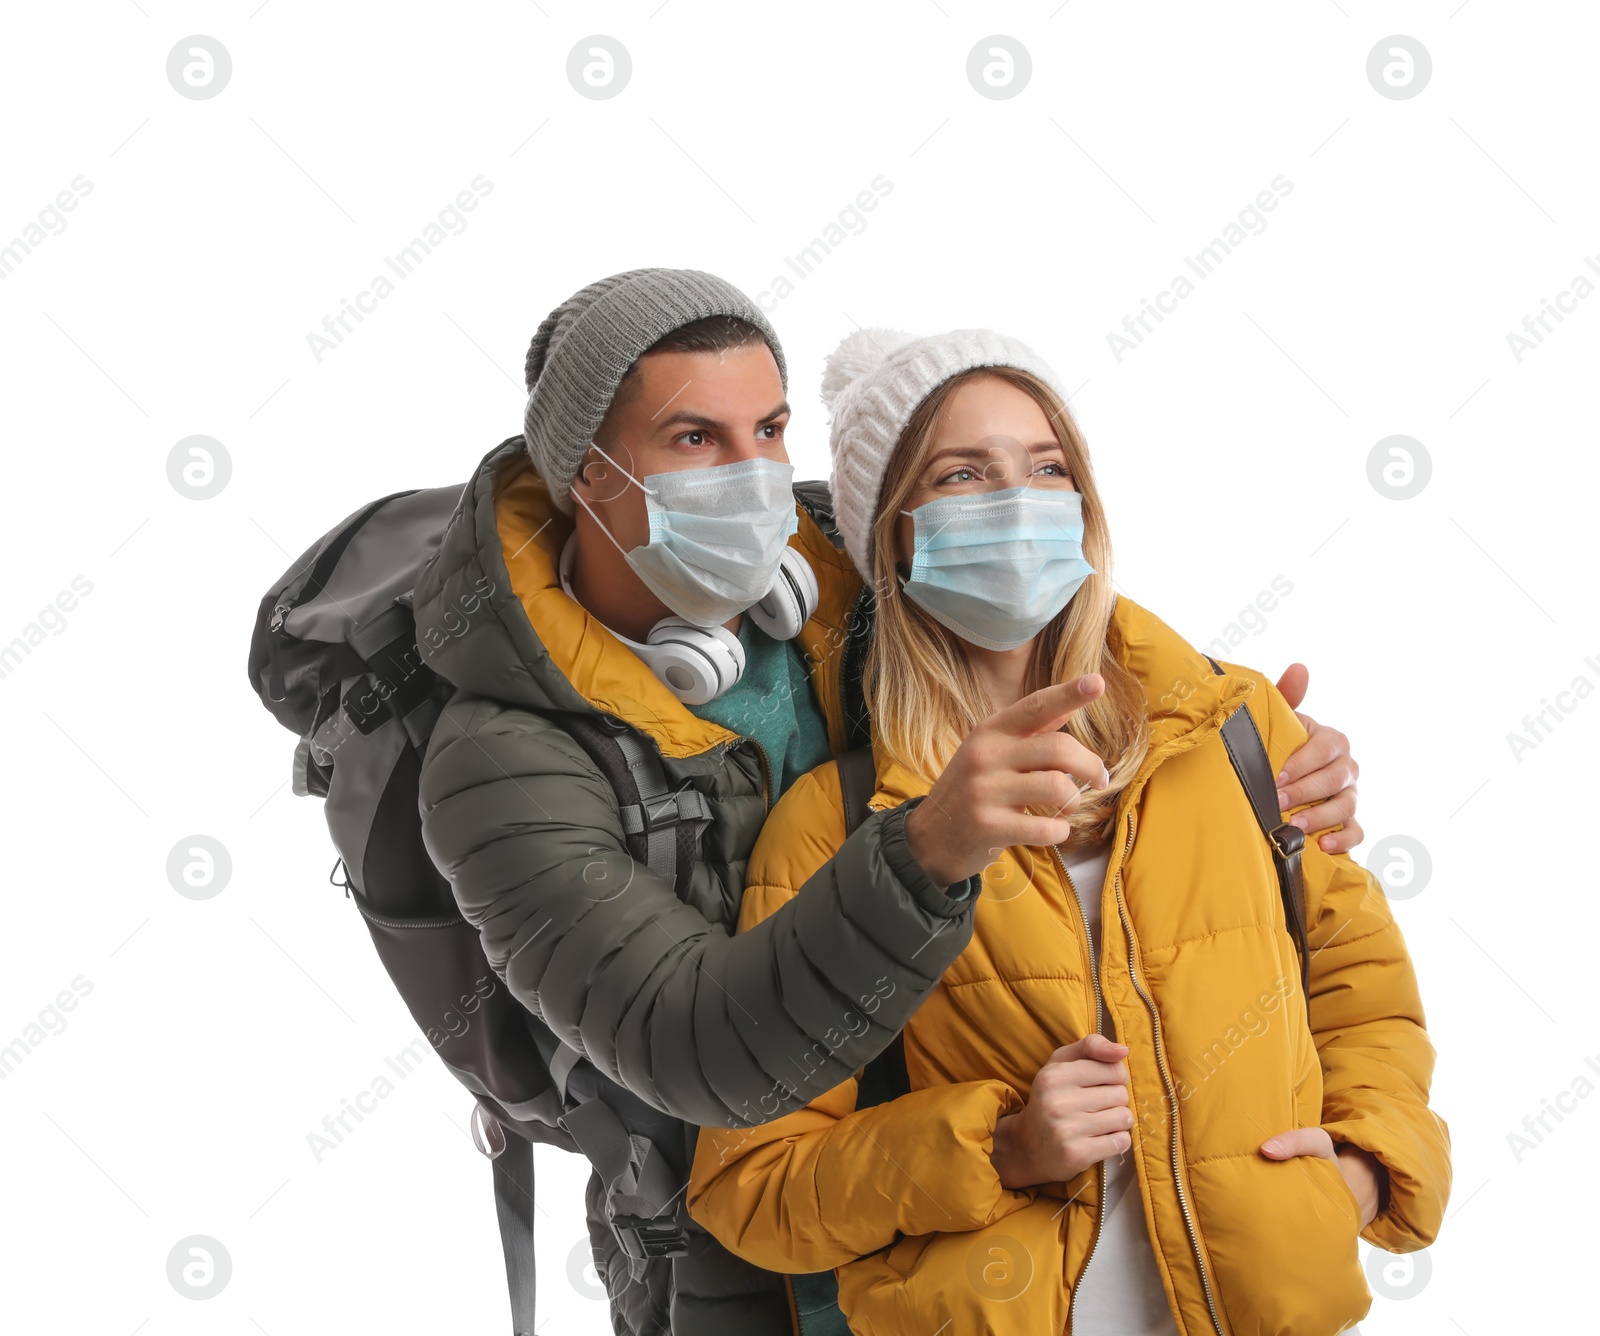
(687, 419)
(684, 418)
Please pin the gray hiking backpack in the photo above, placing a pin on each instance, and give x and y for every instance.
(334, 658)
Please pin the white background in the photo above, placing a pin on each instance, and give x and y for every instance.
(1232, 445)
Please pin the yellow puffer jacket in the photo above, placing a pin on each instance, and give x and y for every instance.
(1201, 979)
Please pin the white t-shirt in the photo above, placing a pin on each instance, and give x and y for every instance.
(1120, 1291)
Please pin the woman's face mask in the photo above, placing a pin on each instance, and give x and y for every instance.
(717, 536)
(996, 567)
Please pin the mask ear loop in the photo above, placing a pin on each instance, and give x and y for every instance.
(648, 491)
(905, 578)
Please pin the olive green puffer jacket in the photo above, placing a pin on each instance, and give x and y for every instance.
(655, 989)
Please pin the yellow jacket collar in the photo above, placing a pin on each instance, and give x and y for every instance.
(1185, 700)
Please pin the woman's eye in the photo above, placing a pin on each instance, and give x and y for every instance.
(1055, 470)
(961, 475)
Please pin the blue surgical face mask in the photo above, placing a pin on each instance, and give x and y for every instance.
(995, 567)
(717, 535)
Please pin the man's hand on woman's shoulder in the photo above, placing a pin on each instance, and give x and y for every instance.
(1321, 772)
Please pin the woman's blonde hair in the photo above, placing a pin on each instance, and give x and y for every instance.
(922, 692)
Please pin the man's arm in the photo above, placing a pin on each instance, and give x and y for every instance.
(720, 1031)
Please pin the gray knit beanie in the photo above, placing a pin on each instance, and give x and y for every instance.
(871, 384)
(585, 347)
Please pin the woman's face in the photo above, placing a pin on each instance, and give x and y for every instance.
(990, 436)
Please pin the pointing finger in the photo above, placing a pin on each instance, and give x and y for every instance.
(1046, 710)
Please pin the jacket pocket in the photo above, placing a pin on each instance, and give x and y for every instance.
(1280, 1238)
(1004, 1279)
(1340, 1188)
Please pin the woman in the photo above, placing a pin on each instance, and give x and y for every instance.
(1212, 1170)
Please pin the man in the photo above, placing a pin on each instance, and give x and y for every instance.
(648, 500)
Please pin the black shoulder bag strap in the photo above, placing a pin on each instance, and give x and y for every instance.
(1250, 763)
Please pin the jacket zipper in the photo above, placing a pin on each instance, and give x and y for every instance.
(1172, 1097)
(766, 778)
(1088, 947)
(1099, 1024)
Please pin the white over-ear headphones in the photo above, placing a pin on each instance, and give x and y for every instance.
(791, 601)
(696, 663)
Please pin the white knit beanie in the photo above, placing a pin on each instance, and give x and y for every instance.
(871, 384)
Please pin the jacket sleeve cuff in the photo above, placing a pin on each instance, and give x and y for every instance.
(945, 901)
(941, 1177)
(1412, 1203)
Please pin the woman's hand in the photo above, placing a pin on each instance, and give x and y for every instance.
(1321, 772)
(1362, 1170)
(1077, 1115)
(1015, 759)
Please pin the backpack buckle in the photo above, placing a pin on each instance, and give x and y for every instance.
(660, 813)
(647, 1236)
(652, 814)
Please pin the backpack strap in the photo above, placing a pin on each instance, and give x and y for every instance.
(884, 1078)
(1250, 763)
(514, 1206)
(661, 826)
(852, 667)
(858, 780)
(816, 499)
(640, 1187)
(642, 1190)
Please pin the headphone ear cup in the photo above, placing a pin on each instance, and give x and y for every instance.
(697, 663)
(792, 600)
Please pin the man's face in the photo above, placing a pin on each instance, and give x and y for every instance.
(681, 411)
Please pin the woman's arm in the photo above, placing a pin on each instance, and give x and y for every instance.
(831, 1183)
(1367, 1019)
